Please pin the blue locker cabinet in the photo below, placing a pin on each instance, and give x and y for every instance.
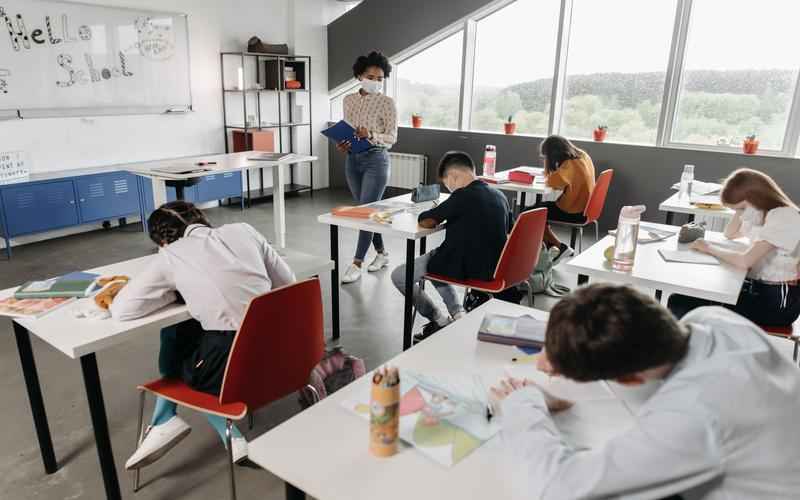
(38, 207)
(107, 196)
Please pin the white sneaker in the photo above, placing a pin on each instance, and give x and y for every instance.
(239, 449)
(158, 440)
(381, 260)
(352, 274)
(457, 316)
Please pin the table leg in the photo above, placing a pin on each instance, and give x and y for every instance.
(249, 200)
(670, 217)
(180, 192)
(423, 243)
(691, 218)
(159, 192)
(538, 198)
(408, 316)
(293, 493)
(582, 279)
(522, 196)
(658, 296)
(97, 410)
(278, 206)
(35, 398)
(335, 281)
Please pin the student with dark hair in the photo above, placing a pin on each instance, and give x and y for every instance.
(568, 169)
(478, 221)
(718, 426)
(216, 271)
(771, 221)
(374, 116)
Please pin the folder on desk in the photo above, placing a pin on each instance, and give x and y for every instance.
(343, 131)
(523, 331)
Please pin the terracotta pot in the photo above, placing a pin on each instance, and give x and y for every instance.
(416, 121)
(510, 128)
(600, 134)
(750, 147)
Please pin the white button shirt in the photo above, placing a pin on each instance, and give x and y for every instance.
(377, 113)
(722, 426)
(217, 271)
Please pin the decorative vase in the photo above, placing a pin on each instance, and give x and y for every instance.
(416, 121)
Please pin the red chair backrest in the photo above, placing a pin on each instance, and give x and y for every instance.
(521, 252)
(597, 200)
(279, 343)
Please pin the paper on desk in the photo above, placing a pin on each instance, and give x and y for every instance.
(701, 188)
(708, 200)
(687, 257)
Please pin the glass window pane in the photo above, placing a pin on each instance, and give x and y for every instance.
(616, 68)
(740, 74)
(514, 60)
(429, 84)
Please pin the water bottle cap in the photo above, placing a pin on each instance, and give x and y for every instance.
(632, 212)
(489, 147)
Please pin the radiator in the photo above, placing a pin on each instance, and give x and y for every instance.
(408, 171)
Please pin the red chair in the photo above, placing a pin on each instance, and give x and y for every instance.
(785, 332)
(278, 344)
(592, 212)
(517, 260)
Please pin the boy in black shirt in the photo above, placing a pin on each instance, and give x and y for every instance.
(478, 221)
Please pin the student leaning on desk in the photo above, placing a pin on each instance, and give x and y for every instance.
(771, 221)
(720, 426)
(217, 271)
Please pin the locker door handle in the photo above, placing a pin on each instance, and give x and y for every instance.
(71, 202)
(83, 200)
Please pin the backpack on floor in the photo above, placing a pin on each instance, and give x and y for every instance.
(541, 279)
(336, 370)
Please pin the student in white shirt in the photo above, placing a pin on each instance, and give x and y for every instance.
(771, 221)
(721, 425)
(216, 271)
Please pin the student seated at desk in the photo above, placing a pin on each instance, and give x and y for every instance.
(217, 271)
(719, 426)
(478, 221)
(570, 170)
(771, 221)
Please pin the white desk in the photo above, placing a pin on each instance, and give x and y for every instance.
(677, 205)
(720, 283)
(81, 338)
(403, 225)
(223, 163)
(323, 451)
(538, 188)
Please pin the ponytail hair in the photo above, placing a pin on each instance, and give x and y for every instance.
(168, 223)
(755, 187)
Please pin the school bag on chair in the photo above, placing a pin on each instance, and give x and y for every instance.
(336, 370)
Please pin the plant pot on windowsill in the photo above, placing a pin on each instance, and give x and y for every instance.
(600, 133)
(416, 121)
(510, 127)
(750, 145)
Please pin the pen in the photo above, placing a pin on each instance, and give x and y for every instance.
(203, 163)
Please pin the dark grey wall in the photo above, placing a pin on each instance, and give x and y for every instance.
(642, 174)
(390, 26)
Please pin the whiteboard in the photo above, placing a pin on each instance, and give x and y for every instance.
(63, 58)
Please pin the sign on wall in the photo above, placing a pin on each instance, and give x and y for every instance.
(61, 58)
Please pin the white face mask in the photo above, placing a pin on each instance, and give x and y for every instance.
(371, 86)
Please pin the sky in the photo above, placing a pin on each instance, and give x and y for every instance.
(517, 43)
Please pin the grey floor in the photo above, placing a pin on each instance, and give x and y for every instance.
(371, 312)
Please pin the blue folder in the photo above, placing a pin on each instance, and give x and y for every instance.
(343, 131)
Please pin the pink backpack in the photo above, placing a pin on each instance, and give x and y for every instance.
(336, 370)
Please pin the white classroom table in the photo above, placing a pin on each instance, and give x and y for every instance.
(323, 451)
(720, 283)
(403, 225)
(230, 162)
(677, 205)
(538, 188)
(82, 339)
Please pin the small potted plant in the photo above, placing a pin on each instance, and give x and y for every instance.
(416, 120)
(600, 133)
(750, 144)
(509, 126)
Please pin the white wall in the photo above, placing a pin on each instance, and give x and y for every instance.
(214, 26)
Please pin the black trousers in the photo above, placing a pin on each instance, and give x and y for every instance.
(196, 356)
(762, 303)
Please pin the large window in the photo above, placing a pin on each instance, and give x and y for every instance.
(429, 84)
(616, 68)
(740, 72)
(514, 61)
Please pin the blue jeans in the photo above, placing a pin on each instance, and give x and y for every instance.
(367, 174)
(422, 301)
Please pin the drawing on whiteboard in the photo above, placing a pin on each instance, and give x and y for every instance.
(155, 40)
(53, 39)
(21, 36)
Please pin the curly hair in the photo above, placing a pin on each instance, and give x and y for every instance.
(374, 58)
(169, 221)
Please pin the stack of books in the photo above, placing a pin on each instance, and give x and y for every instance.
(34, 299)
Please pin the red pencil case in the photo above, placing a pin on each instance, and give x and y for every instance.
(520, 177)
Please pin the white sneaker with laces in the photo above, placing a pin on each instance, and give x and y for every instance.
(457, 316)
(352, 274)
(239, 449)
(158, 440)
(381, 260)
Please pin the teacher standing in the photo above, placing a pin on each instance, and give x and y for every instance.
(374, 116)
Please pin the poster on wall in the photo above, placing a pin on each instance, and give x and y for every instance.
(64, 58)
